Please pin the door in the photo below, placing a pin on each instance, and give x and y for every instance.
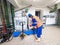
(37, 13)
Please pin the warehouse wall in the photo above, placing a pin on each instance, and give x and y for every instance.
(44, 11)
(51, 19)
(32, 10)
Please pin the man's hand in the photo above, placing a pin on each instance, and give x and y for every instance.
(30, 25)
(34, 28)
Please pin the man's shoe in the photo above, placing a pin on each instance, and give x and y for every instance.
(38, 39)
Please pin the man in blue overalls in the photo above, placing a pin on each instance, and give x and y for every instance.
(37, 23)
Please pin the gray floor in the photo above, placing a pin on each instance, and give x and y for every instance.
(51, 36)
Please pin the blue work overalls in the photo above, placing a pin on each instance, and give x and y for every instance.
(38, 30)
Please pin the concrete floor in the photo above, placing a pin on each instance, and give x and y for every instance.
(51, 36)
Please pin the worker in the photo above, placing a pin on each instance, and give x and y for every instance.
(36, 23)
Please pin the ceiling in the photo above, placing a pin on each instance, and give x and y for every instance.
(35, 3)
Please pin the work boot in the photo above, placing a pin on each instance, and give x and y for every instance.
(38, 39)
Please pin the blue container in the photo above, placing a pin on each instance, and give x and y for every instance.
(28, 32)
(16, 33)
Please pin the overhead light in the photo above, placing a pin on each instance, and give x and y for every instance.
(34, 0)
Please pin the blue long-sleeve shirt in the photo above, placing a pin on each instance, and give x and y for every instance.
(34, 22)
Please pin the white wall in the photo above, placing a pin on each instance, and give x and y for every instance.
(44, 11)
(49, 20)
(32, 10)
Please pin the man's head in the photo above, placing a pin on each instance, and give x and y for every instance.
(30, 15)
